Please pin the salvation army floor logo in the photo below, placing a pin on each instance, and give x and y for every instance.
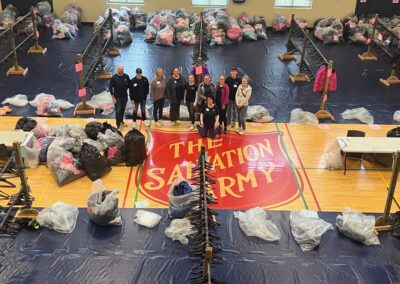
(250, 170)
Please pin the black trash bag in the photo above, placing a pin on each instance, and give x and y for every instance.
(93, 162)
(135, 148)
(114, 155)
(25, 124)
(395, 132)
(93, 128)
(106, 126)
(44, 143)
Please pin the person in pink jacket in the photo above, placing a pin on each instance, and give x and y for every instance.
(221, 95)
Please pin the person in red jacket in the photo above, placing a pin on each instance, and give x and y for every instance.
(221, 95)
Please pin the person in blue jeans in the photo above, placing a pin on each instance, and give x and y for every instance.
(119, 85)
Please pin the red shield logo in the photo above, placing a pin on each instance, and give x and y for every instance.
(250, 170)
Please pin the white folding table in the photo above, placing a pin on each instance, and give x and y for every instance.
(374, 145)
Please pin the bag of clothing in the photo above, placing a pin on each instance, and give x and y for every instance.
(122, 35)
(115, 146)
(93, 128)
(298, 116)
(26, 124)
(44, 144)
(358, 227)
(60, 160)
(165, 36)
(60, 217)
(180, 196)
(360, 113)
(258, 113)
(307, 228)
(94, 163)
(32, 150)
(17, 100)
(107, 126)
(135, 148)
(396, 116)
(102, 101)
(103, 205)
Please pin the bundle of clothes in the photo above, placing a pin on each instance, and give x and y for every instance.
(64, 28)
(330, 30)
(72, 151)
(8, 16)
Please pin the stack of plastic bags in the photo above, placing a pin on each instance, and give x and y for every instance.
(280, 23)
(183, 33)
(138, 20)
(63, 30)
(46, 17)
(122, 35)
(48, 105)
(8, 16)
(329, 30)
(72, 15)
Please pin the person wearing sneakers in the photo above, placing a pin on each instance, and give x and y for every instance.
(119, 85)
(209, 119)
(233, 82)
(138, 91)
(243, 95)
(175, 93)
(190, 96)
(158, 93)
(222, 100)
(205, 89)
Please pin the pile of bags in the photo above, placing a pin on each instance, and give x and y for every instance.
(72, 151)
(8, 16)
(45, 17)
(253, 28)
(280, 23)
(329, 30)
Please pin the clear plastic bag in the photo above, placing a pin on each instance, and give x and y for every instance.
(40, 130)
(307, 228)
(396, 116)
(75, 131)
(60, 217)
(103, 101)
(298, 116)
(180, 200)
(332, 157)
(180, 230)
(258, 114)
(103, 205)
(64, 104)
(122, 35)
(358, 227)
(147, 219)
(165, 36)
(360, 113)
(254, 223)
(17, 100)
(32, 150)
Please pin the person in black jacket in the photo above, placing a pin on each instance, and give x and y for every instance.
(139, 89)
(233, 83)
(175, 93)
(119, 85)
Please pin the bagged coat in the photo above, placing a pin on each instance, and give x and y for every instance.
(320, 80)
(135, 148)
(115, 146)
(44, 144)
(180, 196)
(93, 128)
(94, 163)
(103, 205)
(25, 124)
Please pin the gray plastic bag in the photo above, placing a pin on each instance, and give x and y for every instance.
(60, 217)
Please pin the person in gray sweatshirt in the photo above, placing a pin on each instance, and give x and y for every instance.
(158, 93)
(243, 95)
(205, 89)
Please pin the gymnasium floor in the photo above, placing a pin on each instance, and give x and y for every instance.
(277, 166)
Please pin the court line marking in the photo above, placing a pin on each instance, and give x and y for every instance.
(302, 166)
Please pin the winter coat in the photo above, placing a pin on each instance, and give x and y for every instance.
(243, 95)
(320, 80)
(224, 94)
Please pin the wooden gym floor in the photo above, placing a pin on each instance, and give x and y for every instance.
(277, 166)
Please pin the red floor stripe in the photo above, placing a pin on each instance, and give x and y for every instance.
(127, 187)
(302, 166)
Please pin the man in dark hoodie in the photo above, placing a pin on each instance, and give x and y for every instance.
(119, 85)
(139, 89)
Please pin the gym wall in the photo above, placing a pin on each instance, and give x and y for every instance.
(92, 9)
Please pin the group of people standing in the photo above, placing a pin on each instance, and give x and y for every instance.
(220, 105)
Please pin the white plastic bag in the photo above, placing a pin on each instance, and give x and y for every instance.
(307, 228)
(258, 113)
(360, 113)
(332, 157)
(103, 205)
(17, 100)
(60, 217)
(103, 101)
(183, 112)
(179, 230)
(41, 99)
(32, 150)
(298, 116)
(63, 104)
(147, 218)
(357, 226)
(396, 116)
(254, 223)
